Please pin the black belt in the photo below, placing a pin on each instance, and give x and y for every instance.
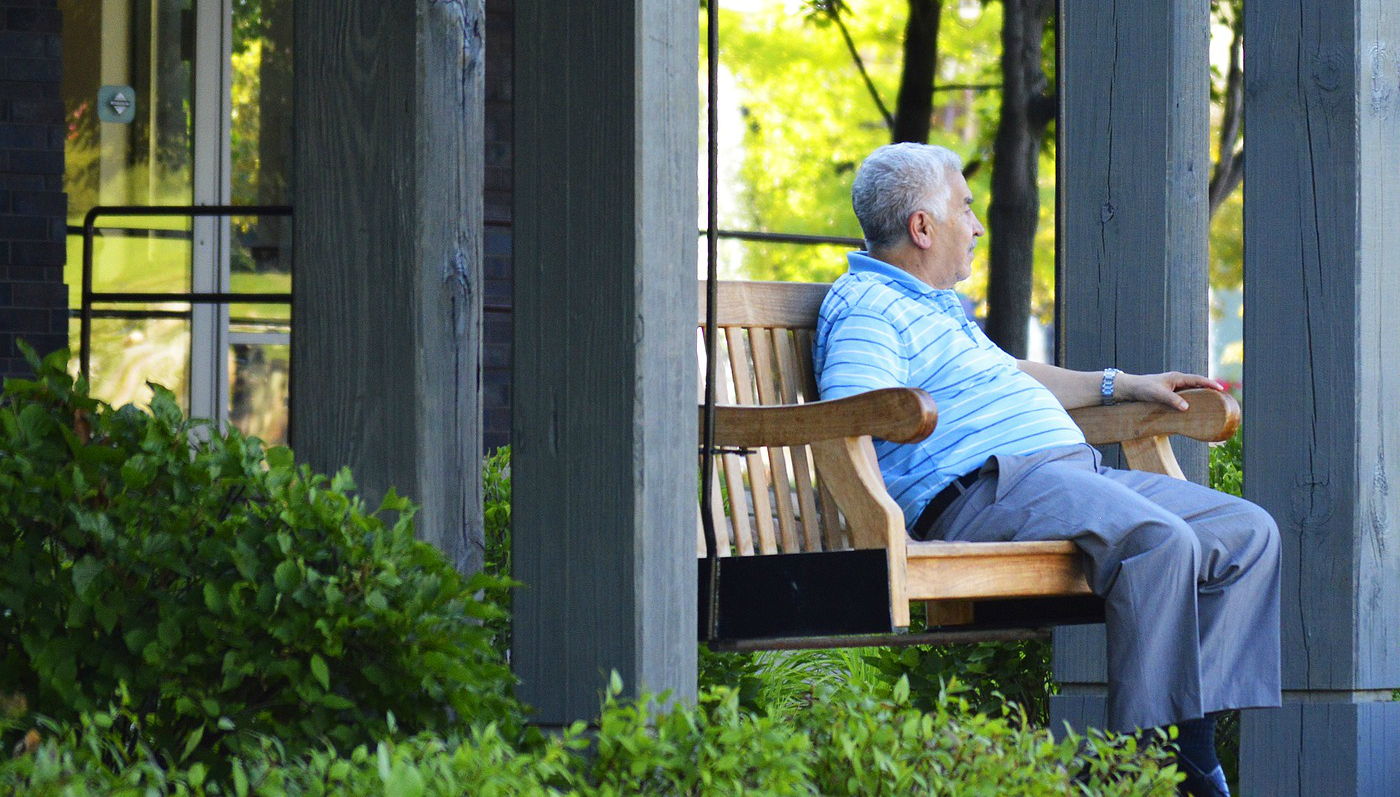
(941, 502)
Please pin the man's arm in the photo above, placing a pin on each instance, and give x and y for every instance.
(1076, 389)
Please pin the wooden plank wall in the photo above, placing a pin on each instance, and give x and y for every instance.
(1322, 373)
(604, 422)
(1131, 262)
(386, 353)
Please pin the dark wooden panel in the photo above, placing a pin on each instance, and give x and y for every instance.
(1082, 707)
(1133, 160)
(604, 385)
(1331, 748)
(387, 350)
(1322, 277)
(1132, 169)
(1322, 273)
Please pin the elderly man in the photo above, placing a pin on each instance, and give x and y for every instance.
(1189, 575)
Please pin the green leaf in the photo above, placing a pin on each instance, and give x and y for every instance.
(84, 573)
(286, 577)
(240, 779)
(901, 691)
(192, 742)
(279, 457)
(320, 670)
(138, 471)
(404, 781)
(213, 598)
(33, 422)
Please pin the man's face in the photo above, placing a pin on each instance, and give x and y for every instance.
(949, 259)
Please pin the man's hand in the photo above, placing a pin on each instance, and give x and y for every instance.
(1161, 388)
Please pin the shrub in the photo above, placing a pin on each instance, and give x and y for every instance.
(1227, 465)
(210, 592)
(495, 480)
(845, 742)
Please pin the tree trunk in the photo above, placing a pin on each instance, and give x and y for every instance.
(1014, 212)
(914, 107)
(1228, 172)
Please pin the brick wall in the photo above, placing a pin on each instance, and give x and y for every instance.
(499, 184)
(33, 207)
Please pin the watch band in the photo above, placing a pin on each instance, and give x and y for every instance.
(1106, 390)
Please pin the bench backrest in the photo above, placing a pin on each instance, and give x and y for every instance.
(770, 500)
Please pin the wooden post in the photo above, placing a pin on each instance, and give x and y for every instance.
(1321, 380)
(386, 346)
(1131, 278)
(604, 472)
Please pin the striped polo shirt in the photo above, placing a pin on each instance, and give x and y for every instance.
(881, 326)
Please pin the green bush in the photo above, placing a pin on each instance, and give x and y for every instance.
(210, 593)
(844, 742)
(1227, 465)
(495, 482)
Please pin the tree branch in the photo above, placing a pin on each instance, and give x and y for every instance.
(1228, 170)
(1224, 179)
(833, 12)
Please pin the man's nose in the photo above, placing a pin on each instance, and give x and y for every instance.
(979, 230)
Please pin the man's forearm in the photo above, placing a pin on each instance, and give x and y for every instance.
(1073, 389)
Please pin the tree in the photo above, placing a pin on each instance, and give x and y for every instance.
(1014, 213)
(1228, 171)
(914, 105)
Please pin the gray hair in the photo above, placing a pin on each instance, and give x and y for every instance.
(897, 180)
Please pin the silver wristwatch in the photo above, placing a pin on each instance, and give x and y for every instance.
(1106, 389)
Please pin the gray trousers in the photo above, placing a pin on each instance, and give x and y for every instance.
(1190, 576)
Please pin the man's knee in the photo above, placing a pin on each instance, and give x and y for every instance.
(1167, 537)
(1256, 531)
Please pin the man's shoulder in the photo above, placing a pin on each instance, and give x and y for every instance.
(859, 291)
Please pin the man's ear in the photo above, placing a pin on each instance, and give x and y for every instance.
(921, 229)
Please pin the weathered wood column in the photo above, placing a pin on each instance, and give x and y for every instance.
(1132, 239)
(1322, 384)
(604, 432)
(386, 342)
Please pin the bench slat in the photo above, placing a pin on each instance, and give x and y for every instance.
(722, 541)
(758, 480)
(832, 535)
(789, 382)
(733, 470)
(942, 570)
(761, 344)
(792, 305)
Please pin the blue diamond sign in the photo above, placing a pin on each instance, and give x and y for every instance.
(116, 104)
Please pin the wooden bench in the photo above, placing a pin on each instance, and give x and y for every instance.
(799, 475)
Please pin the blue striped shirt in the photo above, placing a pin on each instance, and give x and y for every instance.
(881, 326)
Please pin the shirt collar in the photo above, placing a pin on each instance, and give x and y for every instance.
(862, 262)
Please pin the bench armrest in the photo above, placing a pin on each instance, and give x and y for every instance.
(1213, 417)
(897, 414)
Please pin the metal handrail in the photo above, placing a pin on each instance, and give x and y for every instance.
(89, 296)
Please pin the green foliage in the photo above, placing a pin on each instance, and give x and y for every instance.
(495, 482)
(206, 592)
(997, 678)
(786, 681)
(805, 120)
(845, 742)
(1227, 465)
(996, 675)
